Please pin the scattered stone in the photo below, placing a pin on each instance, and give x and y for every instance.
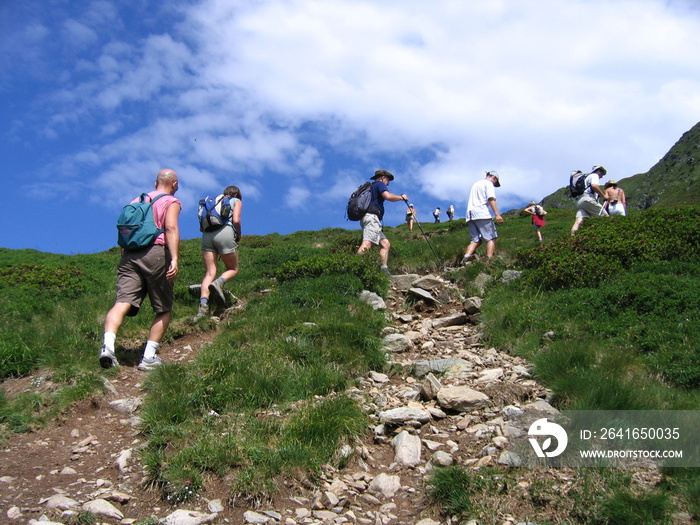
(402, 415)
(461, 398)
(431, 386)
(395, 343)
(103, 508)
(407, 449)
(438, 366)
(192, 517)
(372, 299)
(385, 485)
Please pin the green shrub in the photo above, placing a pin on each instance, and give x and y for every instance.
(364, 268)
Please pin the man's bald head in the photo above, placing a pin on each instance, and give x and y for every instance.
(166, 181)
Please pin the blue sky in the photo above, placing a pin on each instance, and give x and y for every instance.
(298, 101)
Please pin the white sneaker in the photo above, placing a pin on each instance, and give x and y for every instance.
(468, 258)
(107, 358)
(149, 364)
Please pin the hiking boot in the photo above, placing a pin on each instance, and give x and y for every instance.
(468, 258)
(386, 272)
(149, 364)
(216, 290)
(201, 313)
(107, 358)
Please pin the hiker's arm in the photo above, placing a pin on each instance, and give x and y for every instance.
(623, 198)
(172, 239)
(388, 196)
(492, 203)
(597, 189)
(236, 219)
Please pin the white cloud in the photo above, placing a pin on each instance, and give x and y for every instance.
(306, 90)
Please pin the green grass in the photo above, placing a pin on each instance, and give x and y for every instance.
(267, 396)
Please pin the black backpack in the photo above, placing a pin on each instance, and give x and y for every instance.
(359, 202)
(577, 183)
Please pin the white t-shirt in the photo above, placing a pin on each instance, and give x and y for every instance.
(592, 178)
(478, 206)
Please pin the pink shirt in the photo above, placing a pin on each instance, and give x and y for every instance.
(160, 207)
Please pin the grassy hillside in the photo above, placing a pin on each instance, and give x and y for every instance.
(621, 297)
(673, 181)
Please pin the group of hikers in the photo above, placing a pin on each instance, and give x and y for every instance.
(149, 267)
(150, 270)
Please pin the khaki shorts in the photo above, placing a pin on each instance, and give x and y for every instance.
(588, 207)
(372, 229)
(141, 273)
(221, 241)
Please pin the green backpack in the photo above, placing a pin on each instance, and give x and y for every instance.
(136, 228)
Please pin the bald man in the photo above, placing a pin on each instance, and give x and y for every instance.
(151, 271)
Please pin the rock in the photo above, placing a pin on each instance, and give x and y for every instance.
(122, 460)
(441, 459)
(191, 517)
(372, 299)
(457, 319)
(126, 406)
(103, 508)
(510, 275)
(430, 388)
(437, 366)
(404, 282)
(378, 377)
(407, 449)
(60, 502)
(253, 517)
(14, 513)
(510, 459)
(488, 376)
(402, 415)
(215, 505)
(394, 343)
(461, 398)
(472, 305)
(423, 295)
(428, 282)
(385, 485)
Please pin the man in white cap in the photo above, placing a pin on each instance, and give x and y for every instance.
(588, 205)
(481, 212)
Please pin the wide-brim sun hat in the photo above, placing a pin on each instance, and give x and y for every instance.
(611, 183)
(599, 168)
(532, 203)
(382, 173)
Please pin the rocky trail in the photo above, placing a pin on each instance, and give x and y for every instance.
(446, 400)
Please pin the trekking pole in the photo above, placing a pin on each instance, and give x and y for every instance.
(442, 266)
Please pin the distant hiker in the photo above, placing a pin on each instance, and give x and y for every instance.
(372, 230)
(616, 202)
(481, 211)
(436, 214)
(451, 212)
(221, 242)
(538, 214)
(410, 216)
(149, 270)
(588, 205)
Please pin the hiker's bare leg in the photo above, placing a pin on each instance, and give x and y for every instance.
(490, 248)
(159, 326)
(472, 248)
(210, 272)
(364, 246)
(231, 262)
(115, 317)
(577, 224)
(384, 246)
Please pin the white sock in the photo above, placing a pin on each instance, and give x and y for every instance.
(108, 340)
(151, 349)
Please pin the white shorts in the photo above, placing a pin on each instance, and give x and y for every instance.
(372, 230)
